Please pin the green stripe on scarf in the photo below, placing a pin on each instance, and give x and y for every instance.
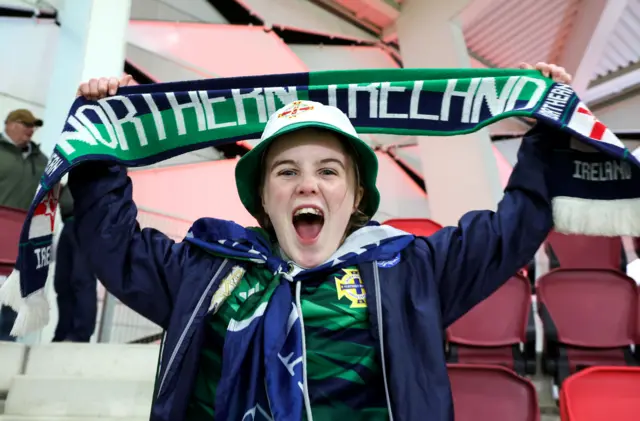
(148, 123)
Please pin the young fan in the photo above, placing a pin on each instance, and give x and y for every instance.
(321, 313)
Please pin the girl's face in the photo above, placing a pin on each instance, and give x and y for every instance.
(309, 194)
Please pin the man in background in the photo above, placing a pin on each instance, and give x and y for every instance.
(22, 164)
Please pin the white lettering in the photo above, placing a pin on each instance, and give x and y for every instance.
(467, 95)
(385, 89)
(556, 101)
(81, 133)
(552, 114)
(239, 98)
(415, 101)
(43, 255)
(82, 117)
(157, 116)
(252, 414)
(541, 86)
(487, 91)
(285, 97)
(178, 109)
(372, 88)
(602, 171)
(290, 365)
(119, 122)
(53, 164)
(207, 103)
(333, 95)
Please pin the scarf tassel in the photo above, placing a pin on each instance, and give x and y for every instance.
(33, 310)
(607, 218)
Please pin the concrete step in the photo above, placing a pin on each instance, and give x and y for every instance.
(93, 360)
(12, 357)
(49, 396)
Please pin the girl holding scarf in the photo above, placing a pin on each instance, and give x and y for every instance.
(321, 313)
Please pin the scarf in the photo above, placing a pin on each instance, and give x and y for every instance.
(145, 124)
(263, 359)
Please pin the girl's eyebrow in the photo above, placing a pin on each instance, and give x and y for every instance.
(292, 162)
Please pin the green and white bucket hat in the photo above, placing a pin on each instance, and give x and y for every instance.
(296, 116)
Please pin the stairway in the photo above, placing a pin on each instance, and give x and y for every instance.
(73, 382)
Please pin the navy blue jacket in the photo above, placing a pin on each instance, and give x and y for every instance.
(437, 280)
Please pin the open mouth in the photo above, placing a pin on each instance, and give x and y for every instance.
(308, 222)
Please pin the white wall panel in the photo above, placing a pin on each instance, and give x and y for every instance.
(336, 57)
(191, 191)
(23, 4)
(410, 156)
(304, 15)
(621, 115)
(27, 49)
(509, 149)
(176, 11)
(188, 192)
(381, 13)
(164, 69)
(223, 50)
(400, 196)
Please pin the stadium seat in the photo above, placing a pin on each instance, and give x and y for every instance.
(416, 226)
(11, 221)
(494, 330)
(589, 319)
(484, 392)
(585, 252)
(601, 393)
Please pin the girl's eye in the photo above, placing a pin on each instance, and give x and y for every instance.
(287, 172)
(328, 171)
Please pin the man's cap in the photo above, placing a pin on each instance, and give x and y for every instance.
(24, 116)
(296, 116)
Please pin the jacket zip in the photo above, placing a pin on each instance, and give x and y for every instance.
(189, 323)
(376, 280)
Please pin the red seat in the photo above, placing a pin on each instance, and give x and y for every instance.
(589, 318)
(584, 252)
(416, 226)
(494, 330)
(601, 393)
(483, 392)
(11, 221)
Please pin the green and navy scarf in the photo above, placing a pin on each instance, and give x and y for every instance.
(262, 356)
(141, 125)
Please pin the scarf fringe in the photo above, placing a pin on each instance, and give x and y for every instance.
(10, 294)
(33, 310)
(33, 314)
(609, 218)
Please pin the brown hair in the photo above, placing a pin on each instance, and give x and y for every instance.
(358, 218)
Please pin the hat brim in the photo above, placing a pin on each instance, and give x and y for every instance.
(249, 167)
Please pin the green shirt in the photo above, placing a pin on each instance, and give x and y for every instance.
(344, 378)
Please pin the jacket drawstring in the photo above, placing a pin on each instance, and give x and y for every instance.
(305, 389)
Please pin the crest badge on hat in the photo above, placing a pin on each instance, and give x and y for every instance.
(295, 108)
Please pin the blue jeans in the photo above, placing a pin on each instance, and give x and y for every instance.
(7, 318)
